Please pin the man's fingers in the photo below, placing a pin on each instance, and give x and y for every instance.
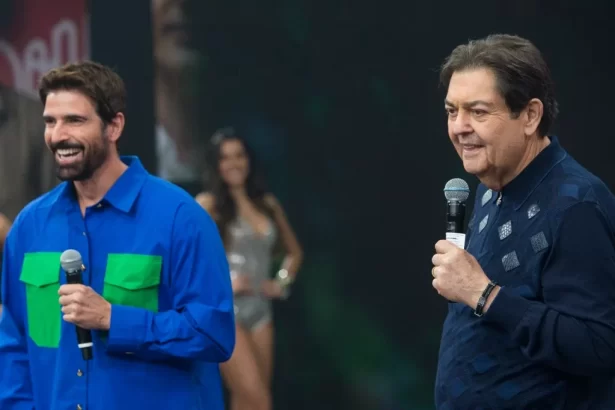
(69, 317)
(71, 308)
(443, 246)
(77, 298)
(70, 289)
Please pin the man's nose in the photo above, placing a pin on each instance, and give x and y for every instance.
(57, 134)
(461, 125)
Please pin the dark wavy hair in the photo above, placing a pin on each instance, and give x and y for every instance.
(224, 205)
(100, 83)
(520, 70)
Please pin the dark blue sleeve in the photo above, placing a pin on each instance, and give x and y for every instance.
(574, 329)
(202, 323)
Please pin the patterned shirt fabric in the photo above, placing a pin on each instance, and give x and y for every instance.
(548, 339)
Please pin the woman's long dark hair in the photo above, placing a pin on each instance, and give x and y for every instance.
(225, 207)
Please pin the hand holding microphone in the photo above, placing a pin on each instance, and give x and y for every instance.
(457, 275)
(80, 304)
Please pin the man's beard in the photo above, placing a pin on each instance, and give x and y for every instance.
(92, 159)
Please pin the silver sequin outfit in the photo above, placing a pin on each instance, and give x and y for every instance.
(249, 253)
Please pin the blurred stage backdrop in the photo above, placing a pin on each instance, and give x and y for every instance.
(342, 105)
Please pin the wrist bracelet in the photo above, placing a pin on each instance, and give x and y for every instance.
(483, 298)
(285, 280)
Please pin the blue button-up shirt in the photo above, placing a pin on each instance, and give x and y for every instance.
(157, 257)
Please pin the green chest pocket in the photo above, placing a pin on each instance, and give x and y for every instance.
(40, 273)
(133, 280)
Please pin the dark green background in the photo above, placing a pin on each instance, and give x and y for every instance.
(341, 101)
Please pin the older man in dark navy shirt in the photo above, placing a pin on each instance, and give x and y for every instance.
(532, 323)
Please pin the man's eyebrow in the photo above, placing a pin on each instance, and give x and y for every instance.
(75, 117)
(66, 117)
(471, 104)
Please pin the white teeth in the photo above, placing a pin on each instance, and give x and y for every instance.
(66, 152)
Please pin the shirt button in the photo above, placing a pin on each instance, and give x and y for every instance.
(84, 234)
(79, 373)
(99, 206)
(79, 407)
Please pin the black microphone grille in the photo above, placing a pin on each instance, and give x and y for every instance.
(456, 190)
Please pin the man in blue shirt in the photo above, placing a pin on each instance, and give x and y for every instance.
(156, 295)
(532, 323)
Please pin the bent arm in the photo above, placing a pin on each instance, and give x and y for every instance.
(207, 202)
(15, 382)
(294, 253)
(573, 330)
(202, 324)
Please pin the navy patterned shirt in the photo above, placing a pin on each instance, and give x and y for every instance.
(548, 339)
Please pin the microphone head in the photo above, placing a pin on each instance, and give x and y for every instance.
(456, 190)
(71, 260)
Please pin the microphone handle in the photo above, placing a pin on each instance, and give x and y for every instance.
(455, 217)
(84, 336)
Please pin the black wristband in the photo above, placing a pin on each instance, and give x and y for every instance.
(483, 298)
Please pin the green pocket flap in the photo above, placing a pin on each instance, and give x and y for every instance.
(41, 274)
(132, 280)
(132, 271)
(41, 268)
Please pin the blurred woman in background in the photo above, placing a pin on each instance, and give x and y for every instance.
(250, 220)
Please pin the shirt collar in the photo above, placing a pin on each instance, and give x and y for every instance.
(520, 188)
(124, 191)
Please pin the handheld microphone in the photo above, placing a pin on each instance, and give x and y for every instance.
(73, 266)
(456, 192)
